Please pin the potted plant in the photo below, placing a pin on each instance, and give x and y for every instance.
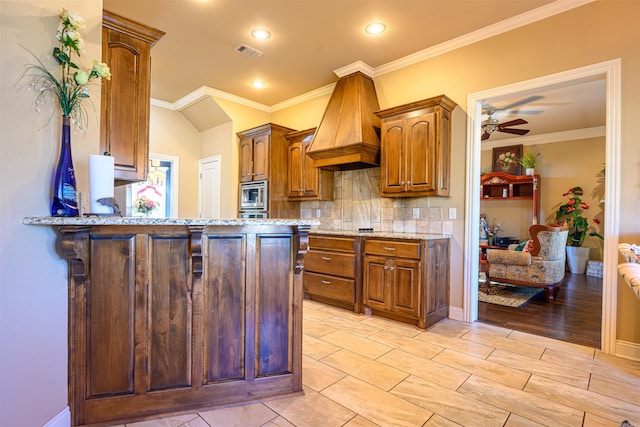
(570, 217)
(528, 161)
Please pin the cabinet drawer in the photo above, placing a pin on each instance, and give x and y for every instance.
(392, 248)
(334, 263)
(330, 287)
(332, 243)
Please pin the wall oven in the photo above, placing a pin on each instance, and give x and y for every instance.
(253, 196)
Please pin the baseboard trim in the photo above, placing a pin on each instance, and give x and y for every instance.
(628, 350)
(62, 419)
(456, 313)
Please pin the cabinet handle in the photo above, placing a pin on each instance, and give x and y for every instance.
(389, 249)
(326, 258)
(326, 282)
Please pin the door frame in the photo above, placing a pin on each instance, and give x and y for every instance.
(610, 71)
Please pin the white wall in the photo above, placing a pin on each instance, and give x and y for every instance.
(33, 278)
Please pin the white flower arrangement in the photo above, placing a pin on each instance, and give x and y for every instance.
(71, 89)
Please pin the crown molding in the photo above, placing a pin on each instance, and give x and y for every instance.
(567, 135)
(543, 12)
(325, 90)
(521, 20)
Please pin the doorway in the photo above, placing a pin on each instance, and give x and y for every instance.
(610, 72)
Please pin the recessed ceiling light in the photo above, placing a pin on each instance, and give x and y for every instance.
(375, 28)
(260, 34)
(258, 84)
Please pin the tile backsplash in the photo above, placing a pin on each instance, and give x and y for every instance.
(357, 204)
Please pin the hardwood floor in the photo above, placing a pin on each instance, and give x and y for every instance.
(574, 317)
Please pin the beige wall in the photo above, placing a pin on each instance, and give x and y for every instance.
(172, 134)
(221, 141)
(561, 166)
(33, 277)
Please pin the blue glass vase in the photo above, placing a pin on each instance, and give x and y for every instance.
(65, 198)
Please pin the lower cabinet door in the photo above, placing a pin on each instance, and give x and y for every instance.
(375, 282)
(405, 287)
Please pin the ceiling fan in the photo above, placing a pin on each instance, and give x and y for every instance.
(493, 125)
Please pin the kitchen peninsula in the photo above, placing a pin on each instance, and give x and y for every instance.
(167, 315)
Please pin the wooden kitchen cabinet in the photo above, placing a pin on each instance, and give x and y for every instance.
(415, 157)
(306, 182)
(169, 318)
(407, 280)
(264, 152)
(125, 104)
(332, 271)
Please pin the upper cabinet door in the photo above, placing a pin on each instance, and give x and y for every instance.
(295, 169)
(392, 162)
(261, 157)
(421, 153)
(124, 126)
(246, 160)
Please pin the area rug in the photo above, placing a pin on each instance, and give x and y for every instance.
(507, 295)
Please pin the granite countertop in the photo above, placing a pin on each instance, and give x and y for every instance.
(118, 220)
(385, 234)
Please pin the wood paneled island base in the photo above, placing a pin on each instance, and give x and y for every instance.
(168, 317)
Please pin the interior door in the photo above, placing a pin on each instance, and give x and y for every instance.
(209, 194)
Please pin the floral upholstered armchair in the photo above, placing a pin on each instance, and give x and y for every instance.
(541, 266)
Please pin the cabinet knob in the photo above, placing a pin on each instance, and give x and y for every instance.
(326, 258)
(391, 268)
(326, 282)
(408, 182)
(386, 268)
(401, 182)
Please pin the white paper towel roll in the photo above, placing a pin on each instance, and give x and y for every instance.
(100, 181)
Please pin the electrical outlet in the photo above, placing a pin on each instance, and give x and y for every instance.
(452, 213)
(416, 213)
(317, 213)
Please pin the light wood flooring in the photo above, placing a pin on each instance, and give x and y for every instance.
(366, 371)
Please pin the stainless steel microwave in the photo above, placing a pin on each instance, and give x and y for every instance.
(253, 195)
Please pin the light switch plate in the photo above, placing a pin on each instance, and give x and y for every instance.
(317, 213)
(452, 213)
(416, 213)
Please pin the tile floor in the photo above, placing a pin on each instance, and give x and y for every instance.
(366, 371)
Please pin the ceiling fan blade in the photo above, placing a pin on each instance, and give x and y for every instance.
(485, 136)
(521, 102)
(514, 131)
(515, 122)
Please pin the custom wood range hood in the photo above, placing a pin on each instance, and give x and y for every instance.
(348, 136)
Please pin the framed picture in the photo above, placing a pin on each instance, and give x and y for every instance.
(506, 159)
